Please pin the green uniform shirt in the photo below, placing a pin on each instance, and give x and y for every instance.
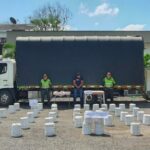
(109, 82)
(45, 84)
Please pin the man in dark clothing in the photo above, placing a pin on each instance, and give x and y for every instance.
(108, 83)
(78, 88)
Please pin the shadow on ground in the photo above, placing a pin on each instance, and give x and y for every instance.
(67, 105)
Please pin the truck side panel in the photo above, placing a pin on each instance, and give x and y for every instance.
(62, 59)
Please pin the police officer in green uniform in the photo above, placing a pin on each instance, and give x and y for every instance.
(45, 86)
(108, 83)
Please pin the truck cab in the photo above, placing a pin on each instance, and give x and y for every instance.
(7, 80)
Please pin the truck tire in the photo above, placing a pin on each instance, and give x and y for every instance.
(5, 98)
(91, 99)
(145, 96)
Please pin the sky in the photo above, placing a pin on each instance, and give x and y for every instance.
(86, 14)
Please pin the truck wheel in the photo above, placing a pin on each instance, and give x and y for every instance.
(145, 96)
(5, 98)
(90, 99)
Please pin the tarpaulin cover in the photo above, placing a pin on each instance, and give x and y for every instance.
(62, 59)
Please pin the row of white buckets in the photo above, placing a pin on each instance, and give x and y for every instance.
(49, 126)
(24, 123)
(92, 122)
(11, 110)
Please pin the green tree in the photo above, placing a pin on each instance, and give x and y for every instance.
(50, 17)
(147, 60)
(8, 50)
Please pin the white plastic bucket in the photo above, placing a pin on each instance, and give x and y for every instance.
(99, 126)
(117, 112)
(54, 106)
(3, 113)
(122, 107)
(77, 106)
(30, 117)
(40, 106)
(123, 115)
(49, 129)
(95, 107)
(86, 107)
(86, 128)
(108, 121)
(49, 120)
(54, 115)
(24, 123)
(129, 119)
(135, 111)
(16, 130)
(104, 106)
(11, 109)
(78, 120)
(140, 115)
(131, 106)
(146, 119)
(135, 129)
(112, 107)
(17, 106)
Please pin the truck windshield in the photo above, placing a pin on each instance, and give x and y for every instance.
(3, 68)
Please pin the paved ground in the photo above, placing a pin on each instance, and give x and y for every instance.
(70, 138)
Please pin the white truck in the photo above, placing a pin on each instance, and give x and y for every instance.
(61, 57)
(7, 81)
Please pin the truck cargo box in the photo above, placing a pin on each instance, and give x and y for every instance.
(61, 57)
